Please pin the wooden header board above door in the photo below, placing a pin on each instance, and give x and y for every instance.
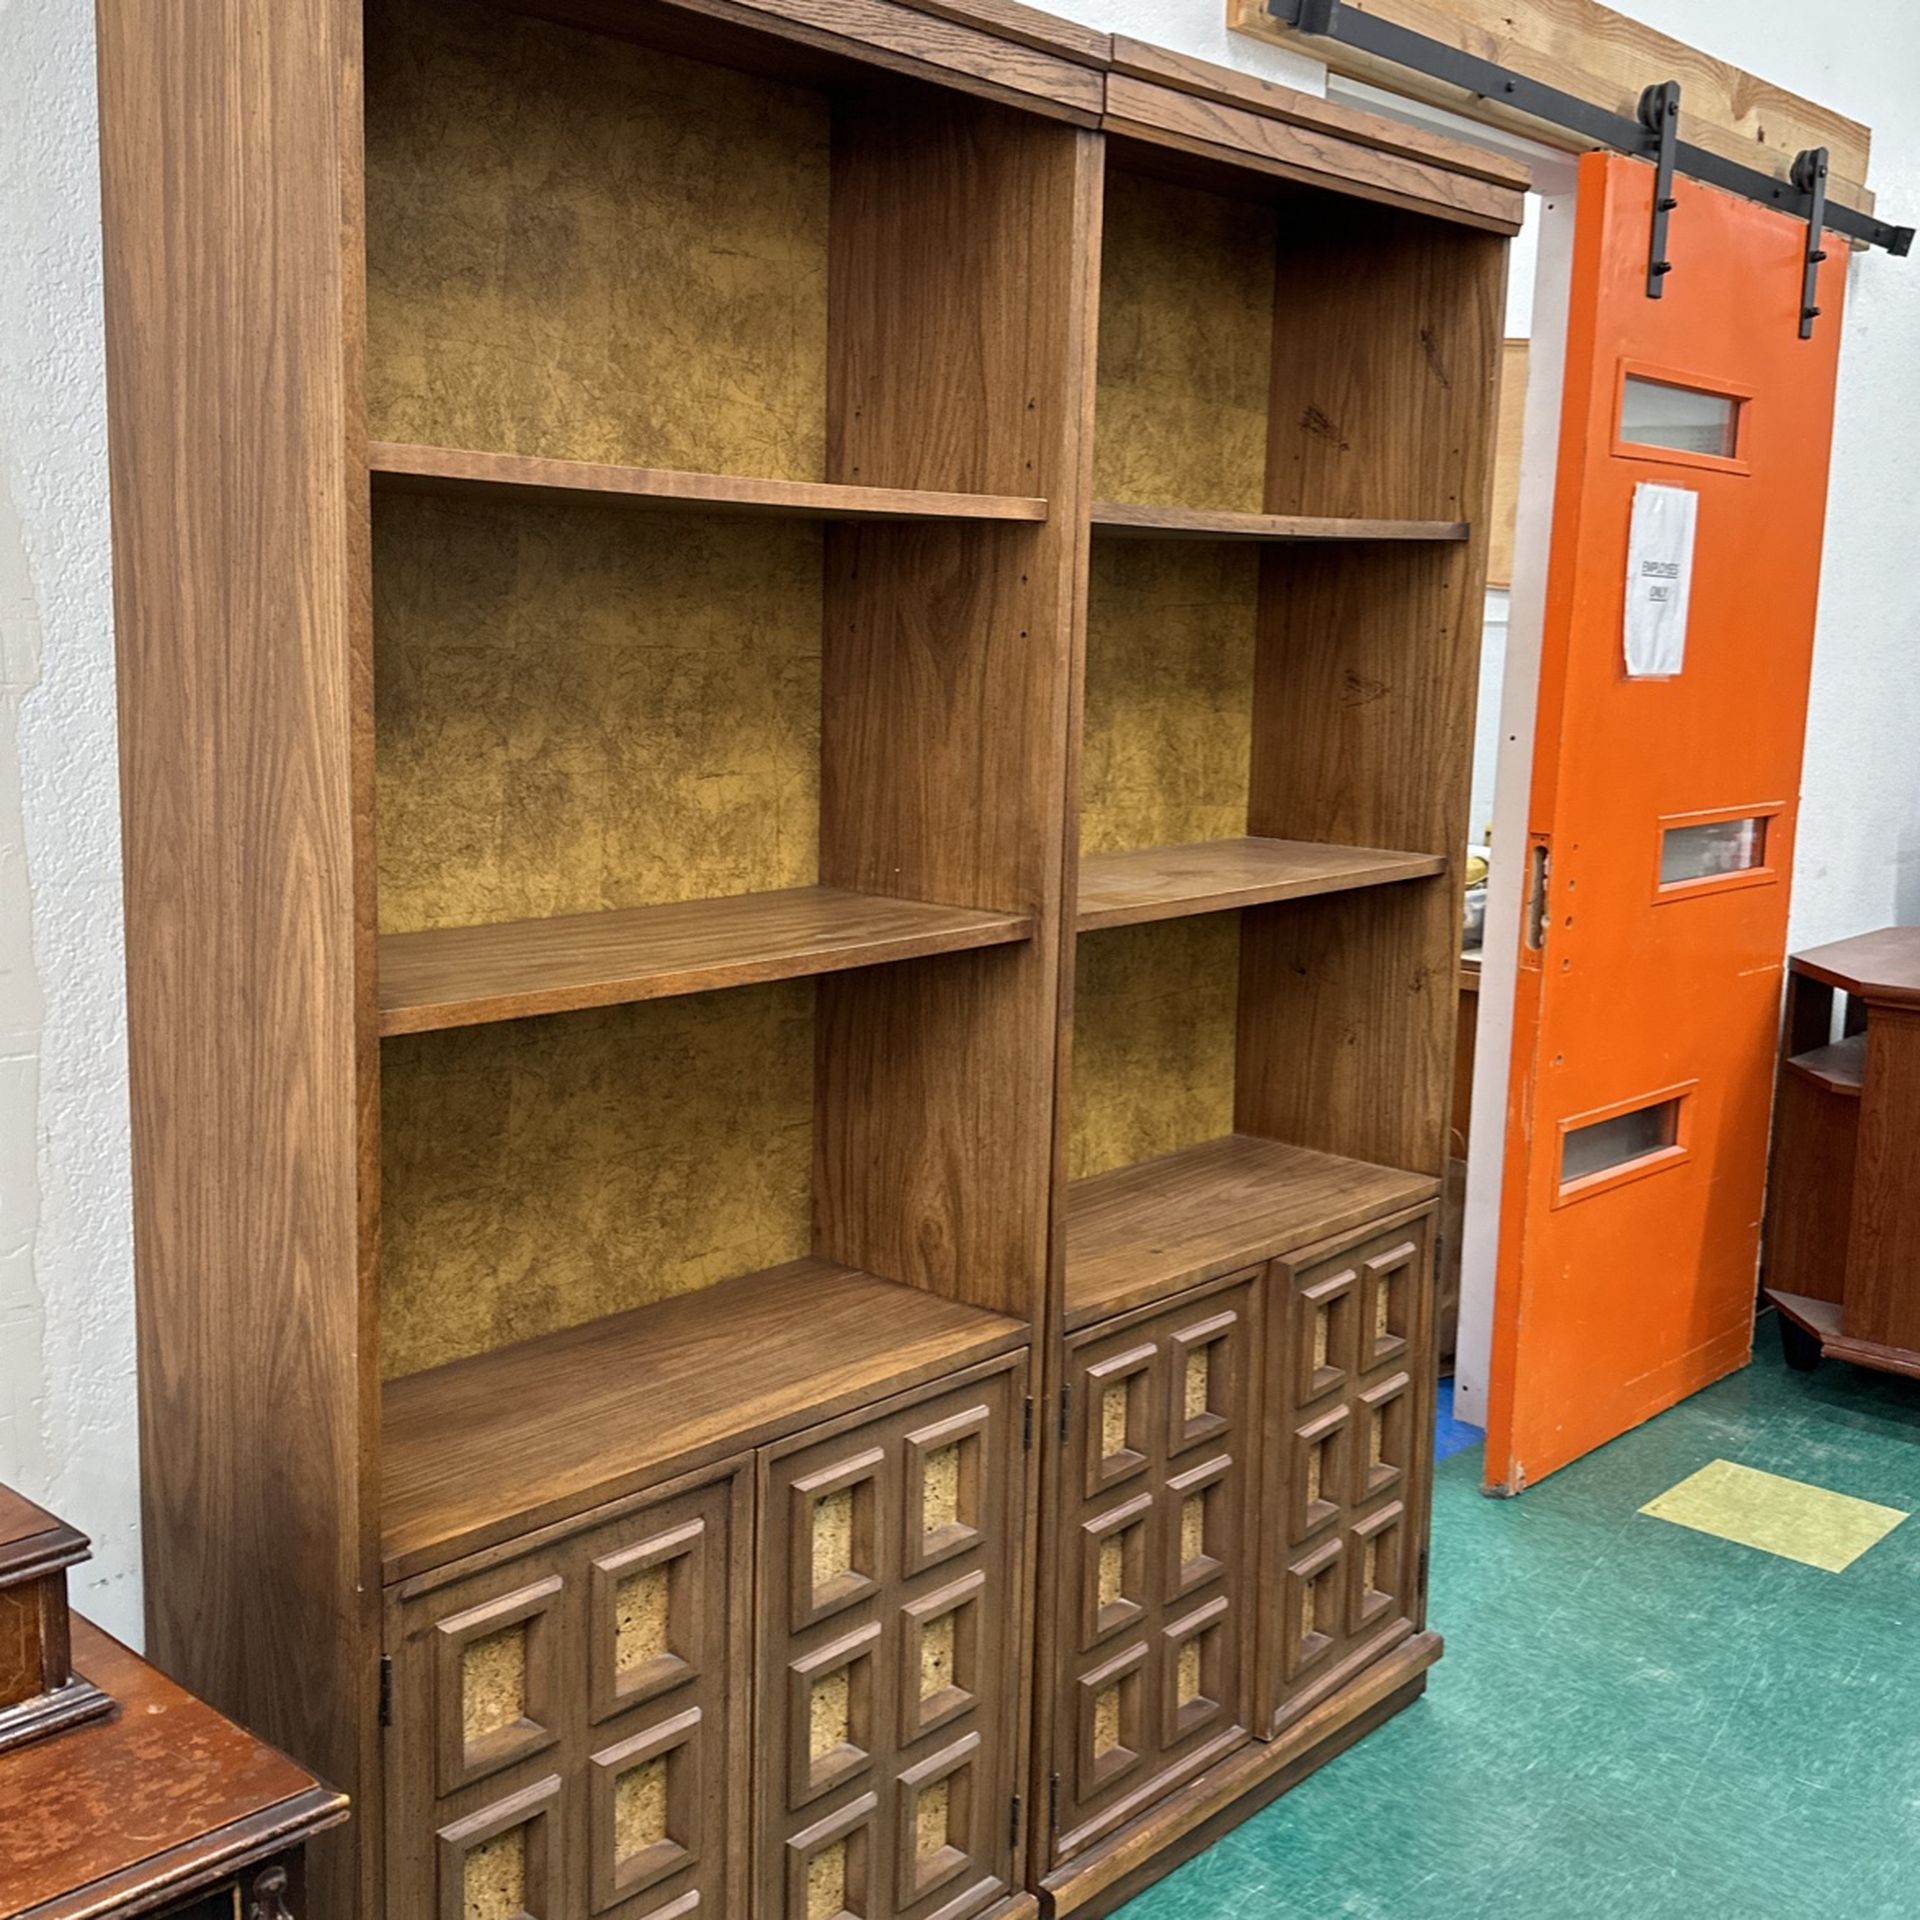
(1602, 57)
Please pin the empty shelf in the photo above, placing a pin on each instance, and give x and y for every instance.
(1840, 1068)
(1142, 1232)
(463, 976)
(507, 1441)
(452, 470)
(1121, 519)
(1209, 876)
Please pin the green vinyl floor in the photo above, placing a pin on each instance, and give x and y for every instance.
(1636, 1719)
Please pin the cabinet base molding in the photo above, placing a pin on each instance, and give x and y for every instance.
(1240, 1786)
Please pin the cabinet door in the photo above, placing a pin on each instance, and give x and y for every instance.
(570, 1719)
(1153, 1555)
(1349, 1458)
(890, 1697)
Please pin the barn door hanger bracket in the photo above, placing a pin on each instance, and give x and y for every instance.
(1439, 60)
(1810, 176)
(1660, 115)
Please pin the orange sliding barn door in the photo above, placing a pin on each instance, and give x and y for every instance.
(1678, 639)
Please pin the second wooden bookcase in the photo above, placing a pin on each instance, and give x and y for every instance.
(795, 690)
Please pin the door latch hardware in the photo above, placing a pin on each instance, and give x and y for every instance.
(1810, 176)
(1660, 115)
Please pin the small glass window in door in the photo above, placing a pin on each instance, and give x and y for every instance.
(1655, 413)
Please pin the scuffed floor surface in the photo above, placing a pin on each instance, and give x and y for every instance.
(1634, 1720)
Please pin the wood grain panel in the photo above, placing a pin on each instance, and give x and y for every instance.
(1509, 418)
(1153, 1041)
(1882, 1307)
(1118, 520)
(1816, 1139)
(581, 709)
(1385, 357)
(1167, 724)
(538, 1174)
(964, 241)
(1186, 325)
(580, 248)
(1161, 883)
(457, 472)
(230, 185)
(1141, 1232)
(492, 1447)
(1139, 60)
(466, 976)
(1305, 156)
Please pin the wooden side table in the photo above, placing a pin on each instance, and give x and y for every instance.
(1843, 1202)
(129, 1796)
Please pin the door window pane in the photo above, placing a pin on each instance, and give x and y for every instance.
(1607, 1144)
(1654, 414)
(1706, 852)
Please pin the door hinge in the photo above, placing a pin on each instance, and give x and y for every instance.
(1066, 1412)
(386, 1689)
(1026, 1428)
(1053, 1807)
(1013, 1825)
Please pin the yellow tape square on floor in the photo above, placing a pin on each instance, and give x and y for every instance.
(1787, 1517)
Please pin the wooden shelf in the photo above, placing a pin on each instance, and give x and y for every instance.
(1118, 519)
(1840, 1068)
(465, 976)
(1140, 1233)
(1210, 876)
(452, 470)
(499, 1444)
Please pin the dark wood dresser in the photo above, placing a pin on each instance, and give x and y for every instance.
(120, 1793)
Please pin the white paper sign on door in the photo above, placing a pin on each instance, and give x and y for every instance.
(1659, 578)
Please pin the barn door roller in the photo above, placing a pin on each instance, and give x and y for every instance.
(1653, 134)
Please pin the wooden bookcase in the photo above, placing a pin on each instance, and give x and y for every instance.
(795, 694)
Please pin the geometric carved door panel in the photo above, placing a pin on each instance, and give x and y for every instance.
(889, 1703)
(1349, 1421)
(1152, 1590)
(570, 1719)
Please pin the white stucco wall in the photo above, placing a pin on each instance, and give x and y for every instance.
(67, 1423)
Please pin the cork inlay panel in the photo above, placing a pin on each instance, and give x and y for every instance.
(1322, 1335)
(580, 248)
(494, 1877)
(1106, 1721)
(1193, 1527)
(640, 1809)
(493, 1683)
(1376, 1438)
(1382, 1330)
(1167, 739)
(1370, 1566)
(1198, 1384)
(1113, 1420)
(937, 1654)
(1309, 1607)
(833, 1537)
(1316, 1470)
(641, 1621)
(940, 1495)
(933, 1818)
(827, 1882)
(1153, 1040)
(1187, 1672)
(1113, 1569)
(1186, 340)
(830, 1713)
(578, 708)
(544, 1172)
